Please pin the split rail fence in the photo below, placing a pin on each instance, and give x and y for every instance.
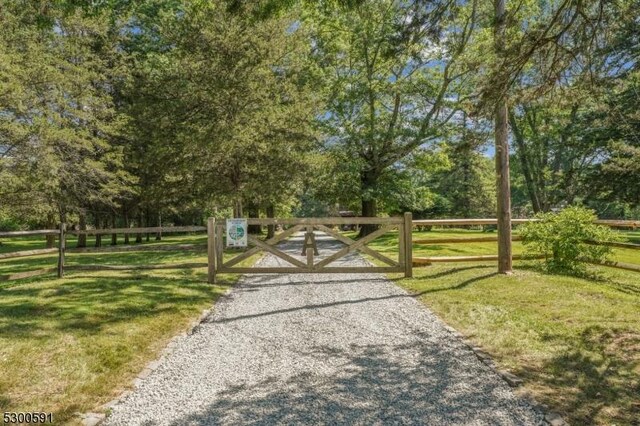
(214, 246)
(61, 234)
(425, 261)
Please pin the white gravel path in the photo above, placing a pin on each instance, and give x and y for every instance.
(321, 349)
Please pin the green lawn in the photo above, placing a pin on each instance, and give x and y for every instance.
(388, 244)
(73, 344)
(575, 342)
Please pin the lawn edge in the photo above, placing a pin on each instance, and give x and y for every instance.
(95, 418)
(549, 417)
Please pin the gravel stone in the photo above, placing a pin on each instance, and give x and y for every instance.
(513, 380)
(321, 349)
(92, 419)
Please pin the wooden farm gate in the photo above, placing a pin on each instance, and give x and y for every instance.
(217, 228)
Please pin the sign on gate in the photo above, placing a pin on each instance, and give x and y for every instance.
(236, 232)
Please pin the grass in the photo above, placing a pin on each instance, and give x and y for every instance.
(388, 244)
(73, 344)
(574, 341)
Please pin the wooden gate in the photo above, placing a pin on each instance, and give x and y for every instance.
(217, 263)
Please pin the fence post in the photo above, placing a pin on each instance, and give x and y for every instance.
(211, 249)
(61, 250)
(401, 246)
(408, 245)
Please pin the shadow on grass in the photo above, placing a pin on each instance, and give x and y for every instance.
(597, 277)
(594, 374)
(89, 303)
(375, 385)
(455, 271)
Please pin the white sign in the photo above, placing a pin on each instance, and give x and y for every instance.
(236, 232)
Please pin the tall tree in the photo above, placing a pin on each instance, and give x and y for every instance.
(390, 74)
(501, 131)
(57, 117)
(228, 104)
(557, 30)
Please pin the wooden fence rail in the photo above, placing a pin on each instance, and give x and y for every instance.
(215, 249)
(462, 240)
(150, 247)
(14, 234)
(464, 222)
(489, 221)
(61, 250)
(615, 244)
(425, 261)
(27, 253)
(90, 267)
(148, 230)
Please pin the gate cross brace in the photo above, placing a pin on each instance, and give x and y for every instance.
(354, 246)
(364, 249)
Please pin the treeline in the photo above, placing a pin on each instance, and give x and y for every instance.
(137, 113)
(119, 113)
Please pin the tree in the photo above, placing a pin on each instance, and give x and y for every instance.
(468, 185)
(556, 30)
(616, 122)
(228, 106)
(390, 74)
(502, 151)
(58, 120)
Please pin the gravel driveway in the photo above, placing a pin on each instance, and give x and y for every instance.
(321, 349)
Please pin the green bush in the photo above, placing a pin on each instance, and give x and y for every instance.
(9, 224)
(563, 239)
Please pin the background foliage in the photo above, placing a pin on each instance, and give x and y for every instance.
(134, 113)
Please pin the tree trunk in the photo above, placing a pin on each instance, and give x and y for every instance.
(147, 221)
(51, 224)
(502, 155)
(98, 220)
(368, 182)
(126, 225)
(271, 229)
(523, 157)
(159, 233)
(253, 211)
(82, 238)
(139, 234)
(114, 236)
(237, 209)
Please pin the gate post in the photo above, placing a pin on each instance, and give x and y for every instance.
(211, 250)
(407, 228)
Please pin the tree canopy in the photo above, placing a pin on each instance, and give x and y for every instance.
(124, 113)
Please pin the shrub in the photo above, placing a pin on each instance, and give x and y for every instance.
(9, 224)
(564, 239)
